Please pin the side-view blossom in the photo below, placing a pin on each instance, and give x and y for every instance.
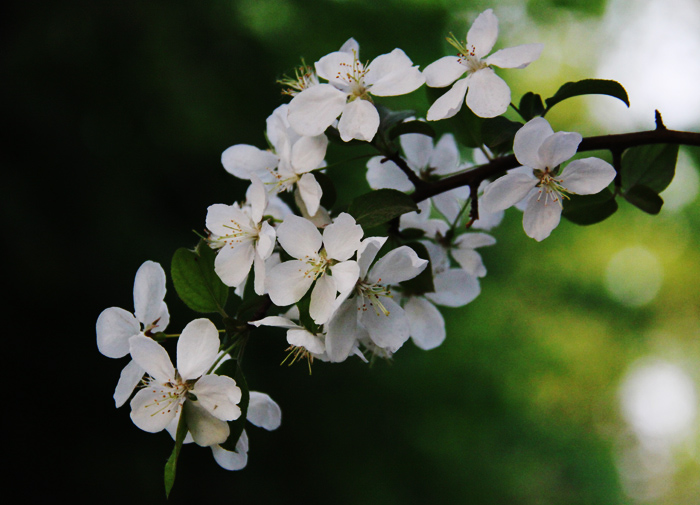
(263, 412)
(370, 309)
(115, 326)
(545, 185)
(213, 399)
(348, 92)
(288, 166)
(487, 95)
(320, 260)
(242, 237)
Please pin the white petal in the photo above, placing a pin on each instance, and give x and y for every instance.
(241, 160)
(260, 272)
(350, 46)
(360, 120)
(483, 33)
(528, 139)
(393, 74)
(345, 274)
(232, 460)
(454, 288)
(149, 292)
(507, 191)
(114, 328)
(310, 192)
(540, 218)
(387, 174)
(303, 338)
(151, 356)
(470, 261)
(308, 153)
(152, 413)
(129, 378)
(488, 95)
(516, 57)
(388, 331)
(288, 282)
(314, 109)
(219, 395)
(474, 240)
(299, 237)
(342, 238)
(451, 203)
(443, 72)
(418, 149)
(278, 321)
(233, 262)
(558, 148)
(263, 411)
(445, 157)
(367, 252)
(206, 430)
(322, 299)
(256, 196)
(426, 323)
(397, 265)
(450, 103)
(342, 331)
(197, 348)
(587, 176)
(333, 67)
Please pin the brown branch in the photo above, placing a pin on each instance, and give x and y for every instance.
(498, 166)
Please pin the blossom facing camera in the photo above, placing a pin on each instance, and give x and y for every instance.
(487, 95)
(541, 183)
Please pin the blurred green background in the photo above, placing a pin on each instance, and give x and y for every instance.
(116, 115)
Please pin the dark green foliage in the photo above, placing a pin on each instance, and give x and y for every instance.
(196, 281)
(587, 87)
(590, 209)
(380, 206)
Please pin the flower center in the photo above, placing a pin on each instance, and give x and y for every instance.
(467, 55)
(168, 396)
(317, 265)
(373, 293)
(550, 186)
(354, 76)
(304, 77)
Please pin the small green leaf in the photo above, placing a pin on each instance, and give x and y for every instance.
(231, 368)
(389, 118)
(171, 464)
(590, 209)
(587, 87)
(531, 105)
(196, 281)
(380, 206)
(411, 127)
(423, 282)
(644, 198)
(652, 166)
(498, 133)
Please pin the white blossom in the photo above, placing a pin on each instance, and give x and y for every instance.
(543, 185)
(348, 92)
(487, 95)
(115, 326)
(320, 260)
(213, 399)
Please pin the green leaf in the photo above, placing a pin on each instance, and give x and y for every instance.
(380, 206)
(530, 106)
(423, 282)
(171, 464)
(587, 87)
(590, 209)
(412, 127)
(498, 133)
(652, 166)
(389, 118)
(196, 281)
(644, 198)
(231, 368)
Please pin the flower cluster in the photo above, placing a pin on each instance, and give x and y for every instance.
(309, 268)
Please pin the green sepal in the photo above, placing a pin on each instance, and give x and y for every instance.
(380, 206)
(644, 198)
(587, 87)
(423, 282)
(420, 127)
(195, 280)
(590, 209)
(171, 464)
(531, 106)
(231, 368)
(652, 166)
